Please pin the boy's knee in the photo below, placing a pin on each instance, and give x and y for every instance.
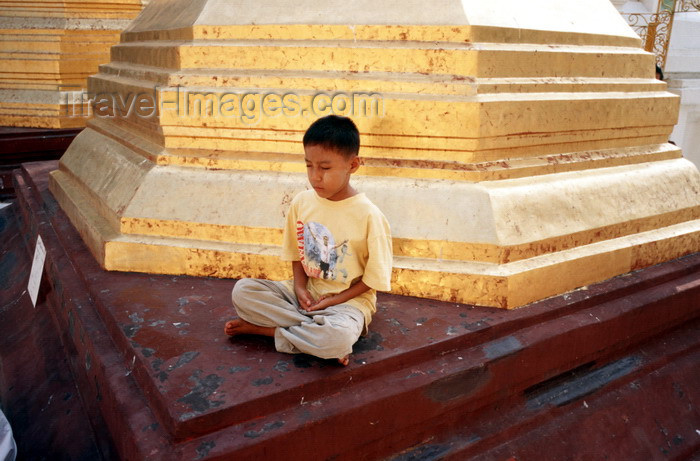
(343, 336)
(347, 339)
(340, 344)
(242, 288)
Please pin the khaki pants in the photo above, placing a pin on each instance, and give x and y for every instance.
(328, 333)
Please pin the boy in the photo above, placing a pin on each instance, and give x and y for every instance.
(339, 244)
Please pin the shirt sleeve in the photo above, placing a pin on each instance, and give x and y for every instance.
(377, 274)
(290, 249)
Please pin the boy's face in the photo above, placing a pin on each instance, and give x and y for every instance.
(329, 172)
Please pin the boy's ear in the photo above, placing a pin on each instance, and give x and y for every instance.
(355, 163)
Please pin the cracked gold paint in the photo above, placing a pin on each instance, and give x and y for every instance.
(48, 49)
(486, 171)
(413, 248)
(515, 157)
(419, 33)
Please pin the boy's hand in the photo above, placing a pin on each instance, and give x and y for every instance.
(300, 280)
(329, 300)
(322, 303)
(304, 297)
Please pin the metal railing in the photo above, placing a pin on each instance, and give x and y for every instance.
(655, 28)
(687, 6)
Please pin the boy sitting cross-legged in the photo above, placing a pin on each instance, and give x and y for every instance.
(339, 244)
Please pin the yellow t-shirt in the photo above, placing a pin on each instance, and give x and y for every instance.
(339, 243)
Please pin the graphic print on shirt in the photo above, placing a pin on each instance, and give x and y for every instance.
(318, 250)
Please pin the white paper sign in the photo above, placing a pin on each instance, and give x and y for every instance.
(37, 269)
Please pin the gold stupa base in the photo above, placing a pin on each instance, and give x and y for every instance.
(515, 156)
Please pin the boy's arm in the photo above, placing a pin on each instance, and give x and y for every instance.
(300, 279)
(331, 300)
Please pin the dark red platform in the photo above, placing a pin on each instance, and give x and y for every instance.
(19, 145)
(607, 372)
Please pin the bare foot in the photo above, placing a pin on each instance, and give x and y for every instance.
(241, 327)
(344, 361)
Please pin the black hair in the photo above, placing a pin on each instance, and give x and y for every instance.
(336, 133)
